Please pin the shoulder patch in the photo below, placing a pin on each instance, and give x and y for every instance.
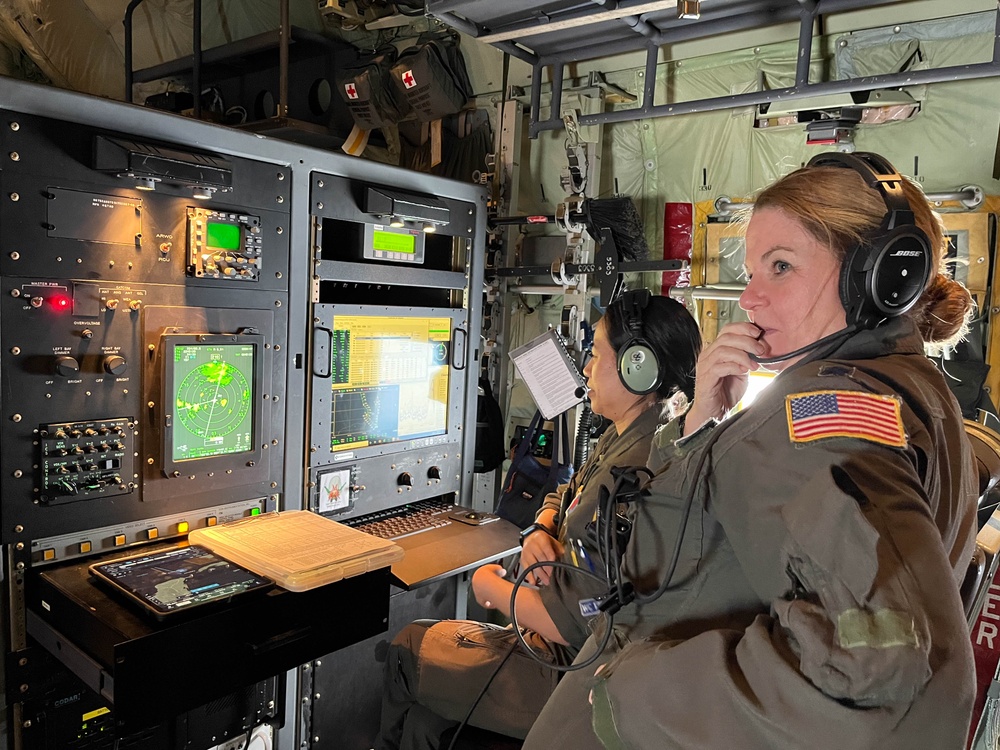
(835, 371)
(824, 414)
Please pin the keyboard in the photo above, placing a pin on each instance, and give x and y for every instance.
(405, 520)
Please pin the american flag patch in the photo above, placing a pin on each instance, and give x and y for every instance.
(823, 414)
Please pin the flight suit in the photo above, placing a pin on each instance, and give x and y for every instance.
(436, 669)
(815, 601)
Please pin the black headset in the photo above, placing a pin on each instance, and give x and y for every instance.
(883, 276)
(638, 365)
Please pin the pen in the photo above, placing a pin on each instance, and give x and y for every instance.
(583, 555)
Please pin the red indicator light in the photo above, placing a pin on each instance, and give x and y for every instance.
(60, 303)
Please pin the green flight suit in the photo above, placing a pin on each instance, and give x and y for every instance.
(815, 602)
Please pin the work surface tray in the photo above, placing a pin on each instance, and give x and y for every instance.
(151, 670)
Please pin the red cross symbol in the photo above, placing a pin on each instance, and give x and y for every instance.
(408, 80)
(352, 92)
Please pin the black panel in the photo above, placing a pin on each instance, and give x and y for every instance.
(161, 669)
(66, 221)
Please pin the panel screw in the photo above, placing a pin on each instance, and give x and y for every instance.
(15, 126)
(15, 255)
(15, 350)
(14, 156)
(16, 418)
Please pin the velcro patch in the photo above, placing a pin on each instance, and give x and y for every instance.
(823, 414)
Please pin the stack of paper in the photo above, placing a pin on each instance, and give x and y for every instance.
(297, 549)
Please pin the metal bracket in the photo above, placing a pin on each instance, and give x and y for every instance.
(575, 178)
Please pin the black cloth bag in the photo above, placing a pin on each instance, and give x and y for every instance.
(528, 481)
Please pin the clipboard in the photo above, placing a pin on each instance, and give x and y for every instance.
(550, 374)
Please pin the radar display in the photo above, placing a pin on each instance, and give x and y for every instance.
(213, 400)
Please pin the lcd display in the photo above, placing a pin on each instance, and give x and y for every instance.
(213, 397)
(390, 379)
(177, 579)
(394, 242)
(219, 236)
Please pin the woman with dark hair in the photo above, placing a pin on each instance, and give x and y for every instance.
(792, 577)
(436, 669)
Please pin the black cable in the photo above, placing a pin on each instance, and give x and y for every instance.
(472, 708)
(517, 630)
(833, 338)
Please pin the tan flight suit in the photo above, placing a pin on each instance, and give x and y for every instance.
(436, 669)
(815, 603)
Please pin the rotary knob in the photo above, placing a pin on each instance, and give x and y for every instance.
(115, 365)
(434, 472)
(405, 479)
(67, 366)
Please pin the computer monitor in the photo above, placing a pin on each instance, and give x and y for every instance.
(390, 379)
(211, 388)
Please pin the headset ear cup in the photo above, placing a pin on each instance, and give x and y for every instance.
(638, 367)
(899, 272)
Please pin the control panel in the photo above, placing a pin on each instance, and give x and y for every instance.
(224, 245)
(355, 488)
(86, 459)
(119, 536)
(139, 381)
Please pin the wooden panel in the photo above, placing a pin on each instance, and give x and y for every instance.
(968, 238)
(719, 238)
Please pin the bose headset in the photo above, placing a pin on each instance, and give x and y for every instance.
(638, 366)
(884, 275)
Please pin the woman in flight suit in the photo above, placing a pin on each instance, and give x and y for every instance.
(436, 669)
(821, 533)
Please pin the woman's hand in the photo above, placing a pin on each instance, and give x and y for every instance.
(490, 586)
(539, 547)
(723, 372)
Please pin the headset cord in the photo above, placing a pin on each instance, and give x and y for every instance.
(524, 644)
(517, 630)
(475, 703)
(833, 340)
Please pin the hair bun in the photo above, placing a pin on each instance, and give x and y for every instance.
(943, 312)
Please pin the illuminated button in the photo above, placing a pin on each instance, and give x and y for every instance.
(183, 527)
(152, 533)
(48, 554)
(85, 547)
(211, 521)
(119, 540)
(255, 511)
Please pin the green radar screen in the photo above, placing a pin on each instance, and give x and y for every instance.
(213, 401)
